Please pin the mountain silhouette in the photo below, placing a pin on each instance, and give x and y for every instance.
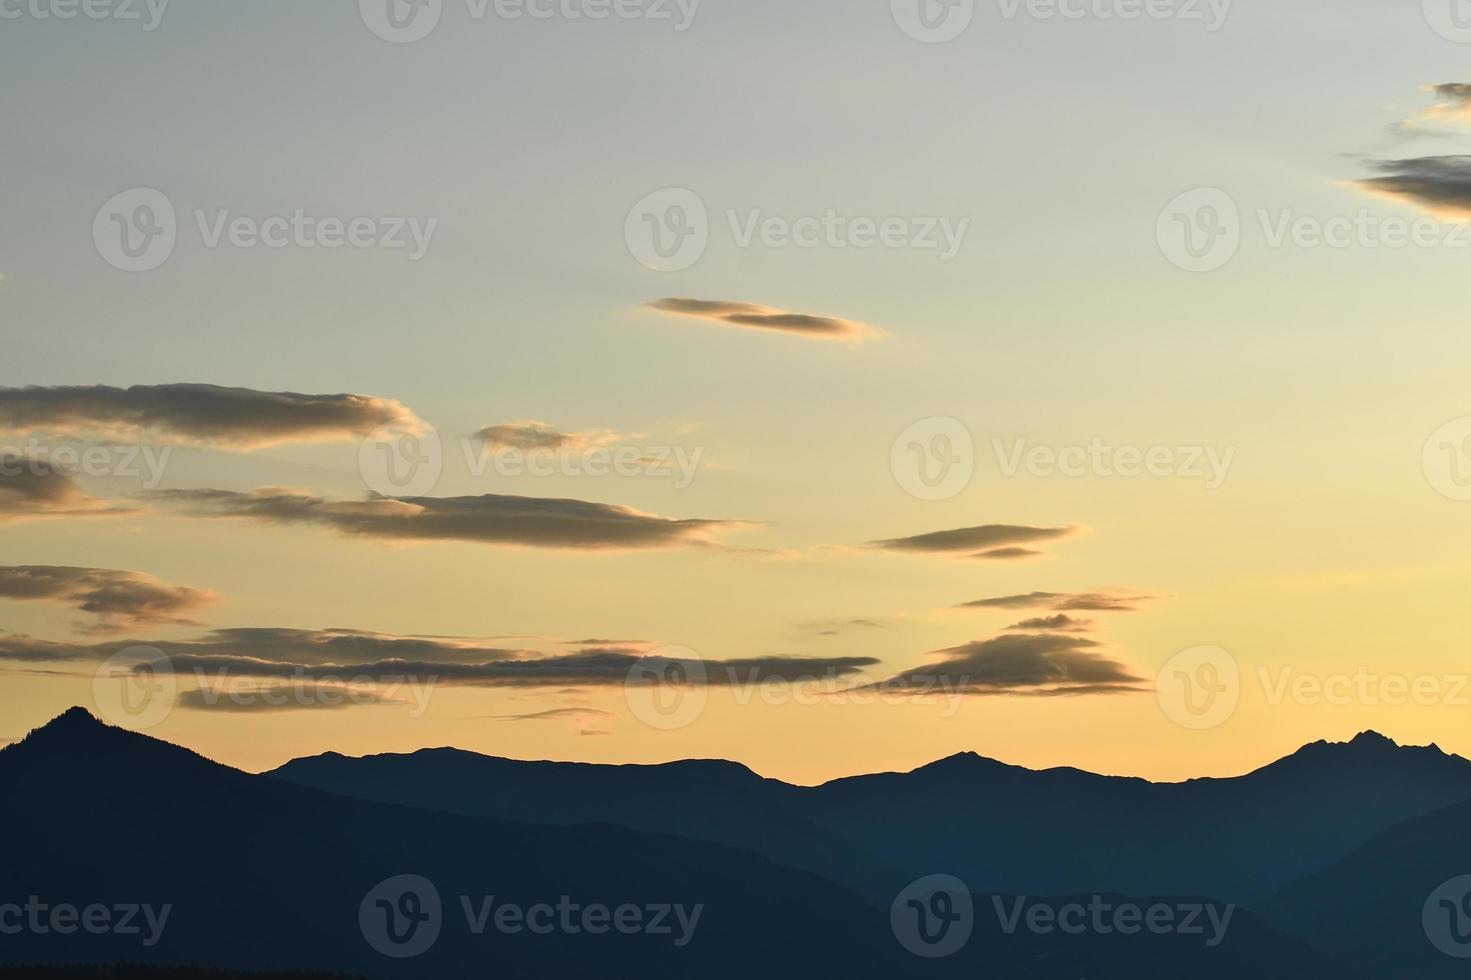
(262, 874)
(998, 827)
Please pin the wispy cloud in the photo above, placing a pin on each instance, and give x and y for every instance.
(1104, 600)
(119, 599)
(197, 414)
(1003, 542)
(530, 435)
(489, 519)
(1060, 623)
(754, 317)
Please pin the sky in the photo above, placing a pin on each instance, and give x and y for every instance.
(912, 305)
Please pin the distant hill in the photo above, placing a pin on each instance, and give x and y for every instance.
(719, 802)
(261, 874)
(1010, 829)
(1371, 905)
(999, 827)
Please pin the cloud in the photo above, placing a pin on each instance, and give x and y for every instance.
(195, 414)
(32, 488)
(119, 599)
(1440, 185)
(282, 697)
(1106, 600)
(1033, 664)
(489, 519)
(1061, 623)
(835, 627)
(260, 647)
(301, 656)
(993, 541)
(1008, 554)
(582, 716)
(754, 317)
(1452, 108)
(529, 436)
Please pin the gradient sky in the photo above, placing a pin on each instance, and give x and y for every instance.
(1060, 320)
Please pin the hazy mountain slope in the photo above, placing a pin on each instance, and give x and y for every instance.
(720, 802)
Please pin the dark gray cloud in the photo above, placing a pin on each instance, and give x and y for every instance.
(1060, 623)
(119, 599)
(259, 648)
(1106, 600)
(208, 415)
(31, 488)
(303, 655)
(488, 519)
(1440, 185)
(986, 541)
(754, 317)
(1034, 664)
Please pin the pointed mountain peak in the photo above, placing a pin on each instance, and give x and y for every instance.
(76, 721)
(1372, 739)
